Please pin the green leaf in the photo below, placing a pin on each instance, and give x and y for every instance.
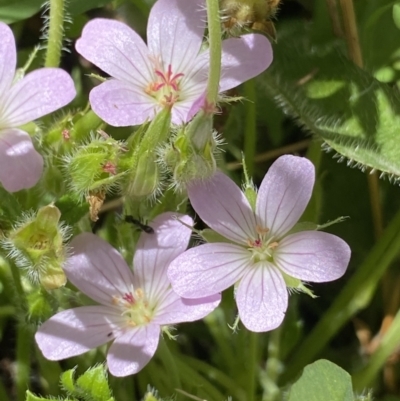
(67, 381)
(12, 11)
(32, 397)
(356, 115)
(72, 208)
(322, 380)
(396, 15)
(77, 7)
(94, 383)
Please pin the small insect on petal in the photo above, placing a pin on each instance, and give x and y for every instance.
(144, 227)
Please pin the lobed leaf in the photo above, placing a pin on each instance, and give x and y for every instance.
(351, 111)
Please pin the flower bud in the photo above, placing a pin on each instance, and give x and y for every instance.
(239, 15)
(38, 246)
(142, 180)
(145, 179)
(191, 154)
(94, 166)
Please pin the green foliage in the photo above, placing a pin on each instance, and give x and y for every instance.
(12, 11)
(91, 386)
(396, 14)
(76, 7)
(322, 380)
(353, 113)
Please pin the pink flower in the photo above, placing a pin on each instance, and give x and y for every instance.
(37, 94)
(133, 306)
(170, 70)
(264, 254)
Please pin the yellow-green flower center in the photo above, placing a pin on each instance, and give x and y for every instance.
(165, 88)
(263, 247)
(135, 307)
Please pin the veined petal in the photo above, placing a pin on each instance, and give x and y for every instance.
(244, 58)
(75, 331)
(8, 57)
(313, 256)
(262, 298)
(97, 269)
(21, 166)
(223, 207)
(175, 32)
(121, 104)
(154, 252)
(208, 269)
(173, 309)
(39, 93)
(133, 350)
(117, 49)
(183, 111)
(284, 193)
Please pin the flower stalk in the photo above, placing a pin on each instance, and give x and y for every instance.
(214, 37)
(55, 33)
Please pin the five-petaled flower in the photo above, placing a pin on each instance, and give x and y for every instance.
(171, 70)
(263, 254)
(38, 93)
(133, 306)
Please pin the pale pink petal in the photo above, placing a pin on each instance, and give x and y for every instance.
(8, 57)
(132, 351)
(181, 112)
(244, 58)
(39, 93)
(97, 269)
(208, 269)
(75, 331)
(175, 31)
(173, 309)
(117, 49)
(199, 103)
(154, 252)
(313, 256)
(184, 111)
(284, 193)
(262, 298)
(193, 89)
(121, 104)
(21, 166)
(222, 206)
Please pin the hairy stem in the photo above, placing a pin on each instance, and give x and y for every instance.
(250, 134)
(55, 33)
(214, 36)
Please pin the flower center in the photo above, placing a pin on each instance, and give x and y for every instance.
(165, 88)
(262, 248)
(135, 307)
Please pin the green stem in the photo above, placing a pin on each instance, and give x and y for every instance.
(170, 365)
(55, 33)
(24, 345)
(218, 326)
(273, 367)
(250, 133)
(3, 393)
(224, 380)
(252, 360)
(355, 296)
(389, 344)
(51, 371)
(214, 36)
(15, 272)
(191, 377)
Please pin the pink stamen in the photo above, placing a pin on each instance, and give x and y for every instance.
(168, 79)
(129, 298)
